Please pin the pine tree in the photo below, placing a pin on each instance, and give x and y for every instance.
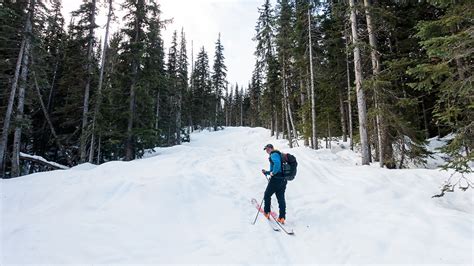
(155, 76)
(265, 53)
(182, 86)
(49, 70)
(255, 91)
(448, 43)
(19, 119)
(218, 78)
(284, 49)
(202, 97)
(173, 90)
(87, 13)
(12, 49)
(101, 81)
(134, 49)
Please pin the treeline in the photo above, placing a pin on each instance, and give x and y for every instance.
(72, 97)
(386, 74)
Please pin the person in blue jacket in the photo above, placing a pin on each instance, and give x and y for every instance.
(276, 185)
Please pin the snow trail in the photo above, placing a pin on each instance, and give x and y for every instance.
(191, 204)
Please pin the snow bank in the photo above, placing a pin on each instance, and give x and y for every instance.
(191, 204)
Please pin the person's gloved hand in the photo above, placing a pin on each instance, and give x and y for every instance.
(264, 171)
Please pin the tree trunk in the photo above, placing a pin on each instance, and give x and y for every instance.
(272, 128)
(343, 117)
(85, 108)
(48, 120)
(178, 117)
(303, 100)
(44, 133)
(157, 113)
(288, 128)
(226, 107)
(129, 146)
(42, 161)
(216, 112)
(9, 111)
(277, 133)
(294, 133)
(98, 149)
(241, 110)
(21, 92)
(327, 132)
(380, 128)
(286, 106)
(349, 100)
(19, 114)
(101, 79)
(425, 118)
(129, 154)
(272, 120)
(313, 96)
(402, 151)
(361, 105)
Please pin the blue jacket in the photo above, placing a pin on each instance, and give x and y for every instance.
(275, 163)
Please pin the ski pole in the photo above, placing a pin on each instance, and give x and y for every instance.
(268, 180)
(258, 211)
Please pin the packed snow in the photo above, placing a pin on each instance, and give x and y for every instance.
(192, 204)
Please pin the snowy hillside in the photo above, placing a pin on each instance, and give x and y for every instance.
(191, 204)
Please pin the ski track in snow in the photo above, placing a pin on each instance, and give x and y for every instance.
(191, 204)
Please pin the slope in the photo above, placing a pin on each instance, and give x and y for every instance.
(191, 204)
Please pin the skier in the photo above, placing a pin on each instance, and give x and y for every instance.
(277, 184)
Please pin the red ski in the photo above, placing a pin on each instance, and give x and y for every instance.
(260, 209)
(273, 221)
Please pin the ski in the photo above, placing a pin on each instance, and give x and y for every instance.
(283, 227)
(271, 222)
(272, 225)
(274, 216)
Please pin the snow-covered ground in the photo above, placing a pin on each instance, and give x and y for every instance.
(191, 204)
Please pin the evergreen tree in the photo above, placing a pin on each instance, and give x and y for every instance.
(12, 46)
(218, 78)
(86, 14)
(202, 97)
(173, 90)
(448, 72)
(285, 43)
(182, 87)
(101, 81)
(254, 93)
(140, 121)
(265, 38)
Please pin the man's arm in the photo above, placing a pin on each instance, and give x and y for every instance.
(276, 159)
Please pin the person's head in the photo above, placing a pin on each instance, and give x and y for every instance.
(268, 148)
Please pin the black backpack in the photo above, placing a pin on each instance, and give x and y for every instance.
(288, 166)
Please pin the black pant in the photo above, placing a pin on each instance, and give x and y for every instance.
(277, 186)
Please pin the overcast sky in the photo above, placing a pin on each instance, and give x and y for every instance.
(202, 21)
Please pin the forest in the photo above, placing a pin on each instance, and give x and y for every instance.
(382, 75)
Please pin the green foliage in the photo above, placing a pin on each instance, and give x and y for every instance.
(448, 41)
